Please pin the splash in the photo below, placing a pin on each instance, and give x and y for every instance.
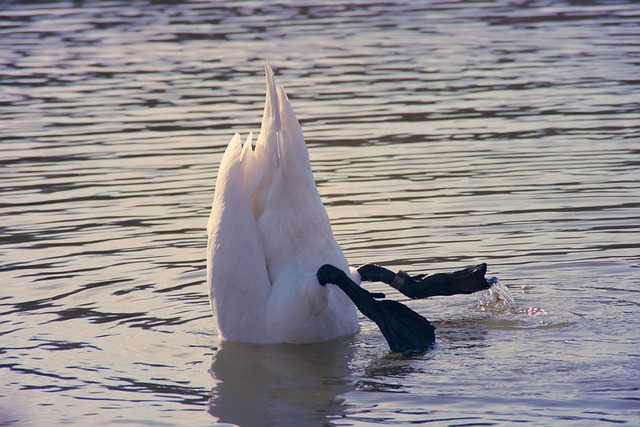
(496, 298)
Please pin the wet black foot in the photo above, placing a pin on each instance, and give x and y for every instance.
(406, 331)
(466, 281)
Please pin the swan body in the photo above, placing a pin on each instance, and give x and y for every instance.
(268, 234)
(271, 252)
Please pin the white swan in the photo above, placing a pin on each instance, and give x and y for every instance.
(271, 248)
(268, 235)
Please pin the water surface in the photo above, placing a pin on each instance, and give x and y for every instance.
(441, 134)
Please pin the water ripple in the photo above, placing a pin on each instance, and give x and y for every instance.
(441, 134)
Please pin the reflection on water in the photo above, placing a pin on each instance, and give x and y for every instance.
(276, 385)
(441, 134)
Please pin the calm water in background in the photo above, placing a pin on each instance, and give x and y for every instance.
(441, 134)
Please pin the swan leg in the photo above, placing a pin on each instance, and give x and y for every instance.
(406, 331)
(466, 281)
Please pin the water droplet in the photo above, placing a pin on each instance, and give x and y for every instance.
(496, 298)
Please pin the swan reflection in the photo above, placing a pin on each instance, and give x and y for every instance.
(281, 384)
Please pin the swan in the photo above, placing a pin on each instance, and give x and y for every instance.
(271, 253)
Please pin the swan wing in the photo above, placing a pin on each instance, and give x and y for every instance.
(293, 222)
(295, 231)
(239, 285)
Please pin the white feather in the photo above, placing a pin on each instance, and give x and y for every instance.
(268, 235)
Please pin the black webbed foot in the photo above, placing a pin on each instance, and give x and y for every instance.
(466, 281)
(406, 331)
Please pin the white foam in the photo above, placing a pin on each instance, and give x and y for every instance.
(496, 298)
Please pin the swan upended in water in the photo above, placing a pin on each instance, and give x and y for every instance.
(271, 251)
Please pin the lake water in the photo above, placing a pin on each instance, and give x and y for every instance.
(441, 134)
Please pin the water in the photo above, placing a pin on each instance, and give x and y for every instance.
(497, 297)
(441, 134)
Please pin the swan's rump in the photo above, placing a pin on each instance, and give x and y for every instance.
(268, 235)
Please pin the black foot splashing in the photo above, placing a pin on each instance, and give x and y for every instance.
(406, 331)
